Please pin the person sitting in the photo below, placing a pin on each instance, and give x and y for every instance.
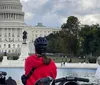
(43, 65)
(10, 81)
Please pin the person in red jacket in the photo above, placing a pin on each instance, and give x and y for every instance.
(43, 65)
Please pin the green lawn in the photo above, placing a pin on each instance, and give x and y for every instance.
(74, 60)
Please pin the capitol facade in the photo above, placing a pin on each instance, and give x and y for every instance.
(12, 26)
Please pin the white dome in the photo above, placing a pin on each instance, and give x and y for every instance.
(11, 10)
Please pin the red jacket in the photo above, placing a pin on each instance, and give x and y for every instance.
(41, 70)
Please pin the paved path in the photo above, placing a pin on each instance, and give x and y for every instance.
(77, 65)
(67, 65)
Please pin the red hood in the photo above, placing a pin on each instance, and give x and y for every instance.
(33, 58)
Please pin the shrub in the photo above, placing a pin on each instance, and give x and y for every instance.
(92, 59)
(15, 57)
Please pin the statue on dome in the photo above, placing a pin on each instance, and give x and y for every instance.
(24, 37)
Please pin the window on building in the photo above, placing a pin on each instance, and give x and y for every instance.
(9, 39)
(9, 34)
(14, 45)
(13, 51)
(16, 51)
(7, 16)
(18, 39)
(5, 39)
(18, 45)
(12, 35)
(36, 36)
(0, 34)
(9, 46)
(13, 39)
(13, 29)
(0, 40)
(18, 35)
(11, 15)
(9, 51)
(4, 45)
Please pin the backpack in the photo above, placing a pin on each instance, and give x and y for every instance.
(24, 77)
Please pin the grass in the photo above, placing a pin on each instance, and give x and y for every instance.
(74, 60)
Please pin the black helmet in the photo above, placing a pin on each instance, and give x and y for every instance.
(40, 45)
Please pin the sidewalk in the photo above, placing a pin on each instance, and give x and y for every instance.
(77, 65)
(67, 65)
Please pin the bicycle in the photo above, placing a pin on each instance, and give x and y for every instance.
(50, 80)
(61, 81)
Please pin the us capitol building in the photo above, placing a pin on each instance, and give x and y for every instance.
(12, 26)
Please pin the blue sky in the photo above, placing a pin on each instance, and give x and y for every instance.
(53, 13)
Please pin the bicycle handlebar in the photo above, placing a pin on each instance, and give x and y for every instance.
(71, 79)
(64, 79)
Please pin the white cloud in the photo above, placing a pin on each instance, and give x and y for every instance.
(51, 20)
(24, 0)
(87, 4)
(63, 20)
(89, 19)
(29, 16)
(55, 12)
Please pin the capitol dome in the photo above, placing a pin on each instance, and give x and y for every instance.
(11, 11)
